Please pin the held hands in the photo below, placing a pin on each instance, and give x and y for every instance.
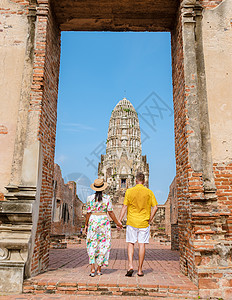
(119, 225)
(116, 221)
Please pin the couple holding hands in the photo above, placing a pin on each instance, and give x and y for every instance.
(140, 205)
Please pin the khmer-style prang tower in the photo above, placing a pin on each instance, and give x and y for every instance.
(123, 157)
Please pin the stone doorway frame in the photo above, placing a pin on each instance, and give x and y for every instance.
(26, 215)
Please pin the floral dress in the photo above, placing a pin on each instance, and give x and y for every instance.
(99, 234)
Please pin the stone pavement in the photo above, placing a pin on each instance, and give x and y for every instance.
(69, 275)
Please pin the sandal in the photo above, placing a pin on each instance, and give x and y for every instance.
(92, 274)
(129, 273)
(140, 275)
(99, 273)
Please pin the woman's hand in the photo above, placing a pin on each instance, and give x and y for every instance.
(87, 222)
(85, 229)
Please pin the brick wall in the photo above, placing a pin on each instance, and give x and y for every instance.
(67, 208)
(44, 90)
(217, 282)
(181, 149)
(44, 93)
(202, 222)
(174, 237)
(223, 181)
(189, 184)
(198, 220)
(171, 208)
(173, 202)
(167, 216)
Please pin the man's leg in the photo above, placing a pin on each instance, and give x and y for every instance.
(143, 238)
(141, 257)
(130, 251)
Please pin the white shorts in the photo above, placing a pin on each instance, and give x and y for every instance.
(137, 234)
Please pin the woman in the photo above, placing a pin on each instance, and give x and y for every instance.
(97, 226)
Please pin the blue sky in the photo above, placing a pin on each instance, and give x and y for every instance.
(97, 70)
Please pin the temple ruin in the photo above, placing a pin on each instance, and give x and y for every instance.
(67, 216)
(123, 157)
(201, 37)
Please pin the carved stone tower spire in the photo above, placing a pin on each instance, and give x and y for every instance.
(123, 157)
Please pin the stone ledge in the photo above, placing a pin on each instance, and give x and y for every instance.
(12, 207)
(75, 288)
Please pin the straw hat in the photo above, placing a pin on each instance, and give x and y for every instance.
(99, 185)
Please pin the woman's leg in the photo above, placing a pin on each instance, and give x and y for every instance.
(104, 242)
(91, 243)
(98, 269)
(92, 268)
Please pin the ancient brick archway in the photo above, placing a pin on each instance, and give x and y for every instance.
(201, 62)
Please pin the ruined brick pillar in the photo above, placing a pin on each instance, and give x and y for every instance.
(204, 234)
(26, 215)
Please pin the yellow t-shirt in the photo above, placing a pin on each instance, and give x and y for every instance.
(139, 200)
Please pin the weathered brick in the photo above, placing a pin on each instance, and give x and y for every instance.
(205, 283)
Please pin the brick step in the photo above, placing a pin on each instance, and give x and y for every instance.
(73, 288)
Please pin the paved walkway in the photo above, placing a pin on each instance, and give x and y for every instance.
(69, 274)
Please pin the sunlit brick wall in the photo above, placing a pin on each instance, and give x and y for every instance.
(44, 99)
(181, 150)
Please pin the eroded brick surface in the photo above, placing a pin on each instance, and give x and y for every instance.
(44, 93)
(184, 174)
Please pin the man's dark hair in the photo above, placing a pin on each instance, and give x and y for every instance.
(140, 177)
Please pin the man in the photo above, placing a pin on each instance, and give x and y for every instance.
(138, 202)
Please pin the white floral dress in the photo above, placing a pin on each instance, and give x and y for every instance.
(99, 234)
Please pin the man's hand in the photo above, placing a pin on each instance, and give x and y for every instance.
(122, 213)
(153, 212)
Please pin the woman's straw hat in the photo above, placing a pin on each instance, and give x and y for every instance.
(99, 185)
